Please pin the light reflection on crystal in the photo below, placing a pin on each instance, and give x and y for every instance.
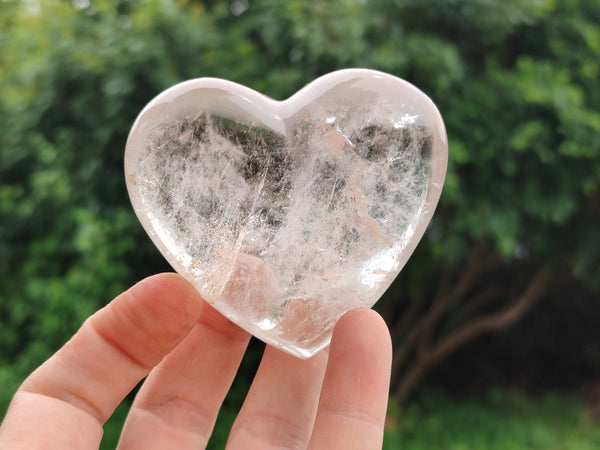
(406, 120)
(377, 269)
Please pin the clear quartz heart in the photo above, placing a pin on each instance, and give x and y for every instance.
(284, 215)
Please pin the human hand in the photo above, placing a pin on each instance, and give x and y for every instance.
(162, 328)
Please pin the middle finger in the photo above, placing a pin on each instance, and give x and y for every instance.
(280, 408)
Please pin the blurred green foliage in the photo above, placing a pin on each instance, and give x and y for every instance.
(500, 420)
(518, 83)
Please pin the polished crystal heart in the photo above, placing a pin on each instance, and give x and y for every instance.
(284, 215)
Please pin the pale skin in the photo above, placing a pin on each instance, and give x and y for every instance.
(161, 328)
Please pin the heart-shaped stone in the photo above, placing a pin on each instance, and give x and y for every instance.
(284, 215)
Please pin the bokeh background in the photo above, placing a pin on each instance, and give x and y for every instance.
(496, 317)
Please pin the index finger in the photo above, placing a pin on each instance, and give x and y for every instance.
(67, 399)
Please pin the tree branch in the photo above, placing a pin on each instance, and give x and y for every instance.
(470, 274)
(482, 299)
(421, 332)
(494, 321)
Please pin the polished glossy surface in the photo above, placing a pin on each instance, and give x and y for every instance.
(284, 215)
